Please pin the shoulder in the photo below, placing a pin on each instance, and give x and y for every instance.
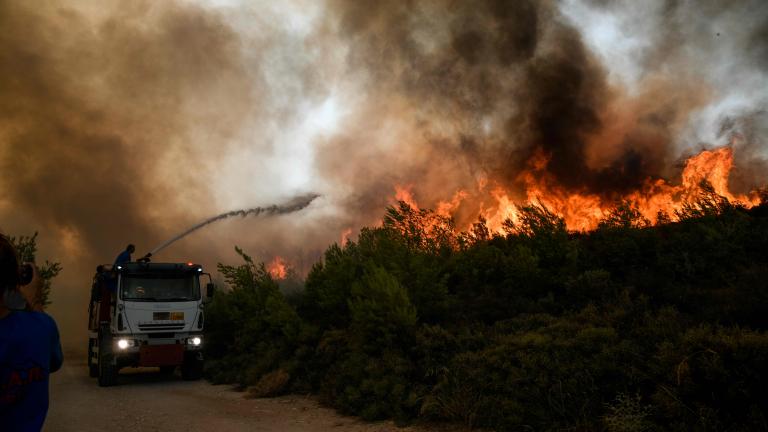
(40, 318)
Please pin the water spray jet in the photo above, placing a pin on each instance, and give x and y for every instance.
(291, 206)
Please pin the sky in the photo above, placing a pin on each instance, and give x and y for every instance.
(129, 122)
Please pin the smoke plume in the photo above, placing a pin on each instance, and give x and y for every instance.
(101, 107)
(468, 92)
(120, 122)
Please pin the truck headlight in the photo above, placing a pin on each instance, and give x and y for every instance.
(195, 341)
(124, 343)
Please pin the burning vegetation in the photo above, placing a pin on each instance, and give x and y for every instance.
(657, 201)
(471, 108)
(486, 107)
(277, 268)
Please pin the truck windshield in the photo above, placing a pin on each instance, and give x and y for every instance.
(160, 287)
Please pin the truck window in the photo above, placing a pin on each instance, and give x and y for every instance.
(160, 288)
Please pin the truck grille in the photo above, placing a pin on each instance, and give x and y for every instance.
(160, 327)
(166, 335)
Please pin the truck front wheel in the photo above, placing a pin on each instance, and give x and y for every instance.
(107, 370)
(93, 366)
(192, 369)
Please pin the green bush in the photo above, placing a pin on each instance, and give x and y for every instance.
(381, 314)
(251, 329)
(26, 248)
(628, 414)
(715, 380)
(630, 327)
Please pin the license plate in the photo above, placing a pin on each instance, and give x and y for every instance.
(161, 355)
(168, 316)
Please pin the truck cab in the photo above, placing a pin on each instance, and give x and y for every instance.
(147, 314)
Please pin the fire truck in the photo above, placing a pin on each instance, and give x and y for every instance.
(145, 314)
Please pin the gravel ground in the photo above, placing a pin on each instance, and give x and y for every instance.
(148, 401)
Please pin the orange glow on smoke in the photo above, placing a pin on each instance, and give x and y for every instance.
(277, 268)
(345, 235)
(583, 211)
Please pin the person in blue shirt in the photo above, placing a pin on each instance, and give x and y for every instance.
(29, 349)
(125, 256)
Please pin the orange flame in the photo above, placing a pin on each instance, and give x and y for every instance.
(583, 211)
(447, 208)
(404, 194)
(277, 268)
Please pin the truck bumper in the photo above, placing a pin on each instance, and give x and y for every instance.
(154, 355)
(161, 355)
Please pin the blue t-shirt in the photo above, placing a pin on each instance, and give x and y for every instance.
(29, 351)
(123, 258)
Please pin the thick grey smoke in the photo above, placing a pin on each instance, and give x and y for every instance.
(113, 118)
(95, 118)
(121, 121)
(468, 92)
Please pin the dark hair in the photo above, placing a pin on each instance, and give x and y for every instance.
(9, 265)
(130, 246)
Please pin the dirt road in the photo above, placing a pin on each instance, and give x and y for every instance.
(148, 401)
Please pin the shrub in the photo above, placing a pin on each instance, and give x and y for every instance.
(271, 384)
(252, 329)
(628, 414)
(627, 328)
(382, 315)
(26, 248)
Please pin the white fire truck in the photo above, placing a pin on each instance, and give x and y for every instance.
(147, 314)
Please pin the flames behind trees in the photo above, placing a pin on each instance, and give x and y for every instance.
(470, 107)
(657, 200)
(277, 268)
(482, 107)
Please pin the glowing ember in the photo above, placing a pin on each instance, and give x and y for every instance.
(277, 268)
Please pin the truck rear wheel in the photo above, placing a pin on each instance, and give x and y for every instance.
(192, 369)
(107, 370)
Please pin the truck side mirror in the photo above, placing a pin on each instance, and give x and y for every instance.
(209, 288)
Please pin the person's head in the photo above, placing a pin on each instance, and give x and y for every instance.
(131, 248)
(9, 266)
